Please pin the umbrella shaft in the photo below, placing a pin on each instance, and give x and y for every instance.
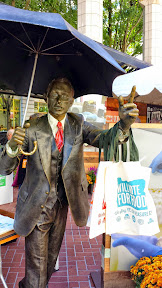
(30, 88)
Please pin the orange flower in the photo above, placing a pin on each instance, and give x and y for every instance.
(148, 272)
(91, 175)
(89, 179)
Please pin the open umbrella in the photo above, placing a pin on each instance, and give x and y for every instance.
(46, 46)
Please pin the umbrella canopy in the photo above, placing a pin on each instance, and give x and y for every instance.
(62, 52)
(148, 82)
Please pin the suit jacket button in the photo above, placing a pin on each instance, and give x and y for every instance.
(42, 206)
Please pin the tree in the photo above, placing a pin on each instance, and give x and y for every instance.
(7, 104)
(67, 8)
(123, 26)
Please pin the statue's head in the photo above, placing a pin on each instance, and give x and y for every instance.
(60, 97)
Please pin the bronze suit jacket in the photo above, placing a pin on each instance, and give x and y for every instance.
(36, 186)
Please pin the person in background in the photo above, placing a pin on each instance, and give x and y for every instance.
(9, 134)
(20, 173)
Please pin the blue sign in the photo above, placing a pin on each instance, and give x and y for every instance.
(131, 194)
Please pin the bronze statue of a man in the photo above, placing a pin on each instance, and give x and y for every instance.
(55, 178)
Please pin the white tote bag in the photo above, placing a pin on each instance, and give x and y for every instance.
(97, 215)
(121, 202)
(130, 208)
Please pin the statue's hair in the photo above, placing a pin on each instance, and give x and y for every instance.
(62, 80)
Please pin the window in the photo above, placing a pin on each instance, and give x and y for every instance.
(40, 107)
(14, 114)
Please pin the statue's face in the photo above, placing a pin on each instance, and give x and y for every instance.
(60, 100)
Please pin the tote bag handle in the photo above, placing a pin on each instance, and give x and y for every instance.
(109, 142)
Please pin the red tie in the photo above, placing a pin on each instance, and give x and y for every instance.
(59, 137)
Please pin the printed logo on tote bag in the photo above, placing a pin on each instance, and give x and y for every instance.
(131, 194)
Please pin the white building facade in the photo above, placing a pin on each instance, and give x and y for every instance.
(152, 51)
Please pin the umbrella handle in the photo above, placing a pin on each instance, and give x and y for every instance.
(28, 153)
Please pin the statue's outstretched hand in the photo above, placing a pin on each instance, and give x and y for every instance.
(127, 112)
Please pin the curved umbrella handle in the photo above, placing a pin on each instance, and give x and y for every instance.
(28, 153)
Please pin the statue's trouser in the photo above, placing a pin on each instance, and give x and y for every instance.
(42, 246)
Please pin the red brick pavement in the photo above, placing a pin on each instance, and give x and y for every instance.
(78, 257)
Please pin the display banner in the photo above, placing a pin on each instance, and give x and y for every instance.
(6, 189)
(2, 181)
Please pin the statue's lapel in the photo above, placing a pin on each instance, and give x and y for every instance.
(44, 138)
(69, 137)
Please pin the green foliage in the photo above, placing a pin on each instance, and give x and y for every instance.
(123, 25)
(67, 8)
(16, 3)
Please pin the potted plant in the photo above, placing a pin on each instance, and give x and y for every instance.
(147, 272)
(91, 178)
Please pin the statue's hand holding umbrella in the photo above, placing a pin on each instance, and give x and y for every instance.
(18, 138)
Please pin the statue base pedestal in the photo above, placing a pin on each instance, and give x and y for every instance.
(114, 279)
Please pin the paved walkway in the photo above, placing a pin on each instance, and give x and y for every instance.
(78, 257)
